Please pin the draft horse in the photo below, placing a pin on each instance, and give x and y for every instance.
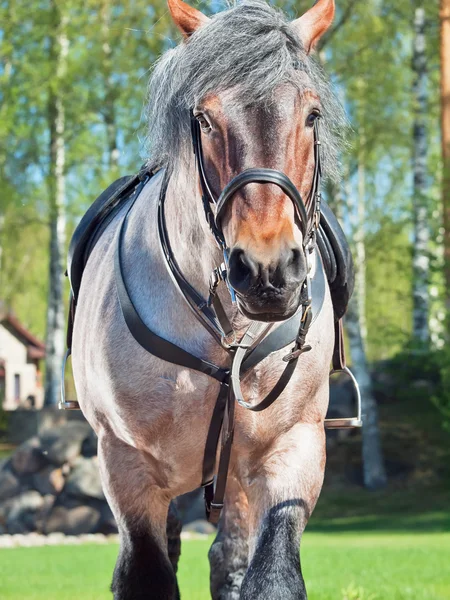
(204, 325)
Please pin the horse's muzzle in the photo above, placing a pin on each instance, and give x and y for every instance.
(267, 292)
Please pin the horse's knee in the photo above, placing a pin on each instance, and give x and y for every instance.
(143, 569)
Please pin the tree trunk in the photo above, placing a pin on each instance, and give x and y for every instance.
(445, 126)
(374, 474)
(55, 342)
(359, 239)
(421, 262)
(108, 110)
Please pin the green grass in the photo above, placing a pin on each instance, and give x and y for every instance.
(340, 566)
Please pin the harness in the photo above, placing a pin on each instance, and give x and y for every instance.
(258, 341)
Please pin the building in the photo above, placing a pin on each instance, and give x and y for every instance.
(20, 356)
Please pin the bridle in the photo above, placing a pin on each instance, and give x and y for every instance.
(214, 208)
(308, 221)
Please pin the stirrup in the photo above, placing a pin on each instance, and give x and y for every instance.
(63, 403)
(350, 422)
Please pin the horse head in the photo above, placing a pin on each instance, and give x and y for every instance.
(241, 130)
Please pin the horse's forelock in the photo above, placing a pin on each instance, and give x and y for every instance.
(250, 47)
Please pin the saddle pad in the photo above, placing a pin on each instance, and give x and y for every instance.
(95, 218)
(337, 260)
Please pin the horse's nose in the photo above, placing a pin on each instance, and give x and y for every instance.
(247, 272)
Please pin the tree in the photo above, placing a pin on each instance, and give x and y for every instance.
(55, 339)
(421, 261)
(444, 17)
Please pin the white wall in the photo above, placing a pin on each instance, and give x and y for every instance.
(14, 353)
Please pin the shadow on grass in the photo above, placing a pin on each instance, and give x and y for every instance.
(435, 522)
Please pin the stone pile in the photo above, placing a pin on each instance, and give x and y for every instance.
(51, 484)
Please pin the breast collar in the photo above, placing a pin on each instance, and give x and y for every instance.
(258, 342)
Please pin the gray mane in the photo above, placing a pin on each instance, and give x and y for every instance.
(250, 47)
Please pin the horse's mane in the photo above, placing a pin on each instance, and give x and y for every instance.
(250, 47)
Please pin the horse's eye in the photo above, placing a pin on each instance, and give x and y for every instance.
(204, 124)
(315, 114)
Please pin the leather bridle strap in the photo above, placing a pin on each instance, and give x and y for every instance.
(263, 176)
(146, 338)
(256, 175)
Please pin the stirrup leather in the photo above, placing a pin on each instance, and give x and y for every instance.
(63, 403)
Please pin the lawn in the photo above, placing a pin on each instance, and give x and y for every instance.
(340, 566)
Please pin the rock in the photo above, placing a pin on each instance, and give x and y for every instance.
(73, 521)
(200, 526)
(49, 480)
(89, 446)
(28, 457)
(84, 479)
(23, 511)
(9, 484)
(44, 513)
(63, 444)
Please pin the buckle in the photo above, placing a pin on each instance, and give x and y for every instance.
(214, 513)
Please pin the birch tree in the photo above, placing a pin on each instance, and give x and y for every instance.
(444, 17)
(109, 103)
(421, 261)
(374, 473)
(55, 339)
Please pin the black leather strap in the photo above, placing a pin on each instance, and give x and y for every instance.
(263, 176)
(212, 439)
(152, 342)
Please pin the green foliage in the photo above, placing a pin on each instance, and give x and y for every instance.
(112, 46)
(418, 373)
(388, 288)
(441, 399)
(102, 92)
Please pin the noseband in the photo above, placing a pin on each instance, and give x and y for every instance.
(214, 208)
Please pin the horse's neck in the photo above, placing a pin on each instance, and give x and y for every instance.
(192, 243)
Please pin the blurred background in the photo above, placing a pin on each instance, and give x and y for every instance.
(73, 79)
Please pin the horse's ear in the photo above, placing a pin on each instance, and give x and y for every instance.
(185, 17)
(314, 23)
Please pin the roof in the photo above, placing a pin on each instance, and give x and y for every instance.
(35, 347)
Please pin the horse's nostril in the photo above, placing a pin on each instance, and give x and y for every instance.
(295, 257)
(242, 270)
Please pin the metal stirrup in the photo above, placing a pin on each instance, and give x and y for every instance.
(347, 423)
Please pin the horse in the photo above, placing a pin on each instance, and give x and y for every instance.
(243, 86)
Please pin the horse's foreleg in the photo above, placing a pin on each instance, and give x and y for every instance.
(228, 555)
(282, 494)
(133, 489)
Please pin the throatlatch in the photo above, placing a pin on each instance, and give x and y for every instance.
(259, 340)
